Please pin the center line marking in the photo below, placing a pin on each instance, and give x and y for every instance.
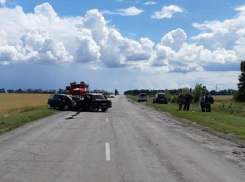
(107, 152)
(107, 120)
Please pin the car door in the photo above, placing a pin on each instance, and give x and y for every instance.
(55, 101)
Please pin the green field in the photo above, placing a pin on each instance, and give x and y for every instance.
(18, 109)
(226, 118)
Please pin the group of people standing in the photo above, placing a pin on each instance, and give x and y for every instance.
(205, 102)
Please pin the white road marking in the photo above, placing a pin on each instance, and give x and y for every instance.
(107, 152)
(107, 120)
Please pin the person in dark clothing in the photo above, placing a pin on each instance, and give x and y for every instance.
(187, 100)
(180, 101)
(85, 105)
(202, 103)
(208, 101)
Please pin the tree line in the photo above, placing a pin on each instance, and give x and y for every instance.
(179, 91)
(33, 91)
(238, 95)
(173, 94)
(40, 91)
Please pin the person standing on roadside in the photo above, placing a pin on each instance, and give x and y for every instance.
(202, 103)
(180, 101)
(85, 104)
(208, 101)
(187, 100)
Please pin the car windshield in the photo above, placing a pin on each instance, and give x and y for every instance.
(161, 95)
(55, 97)
(98, 97)
(143, 95)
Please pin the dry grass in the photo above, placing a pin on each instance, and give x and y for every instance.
(219, 98)
(15, 101)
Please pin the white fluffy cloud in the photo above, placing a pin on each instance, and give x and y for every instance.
(174, 39)
(87, 49)
(47, 50)
(8, 54)
(150, 3)
(3, 38)
(167, 12)
(117, 51)
(221, 34)
(221, 48)
(2, 1)
(36, 47)
(43, 37)
(131, 11)
(82, 39)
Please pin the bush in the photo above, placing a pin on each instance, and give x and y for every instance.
(174, 99)
(239, 96)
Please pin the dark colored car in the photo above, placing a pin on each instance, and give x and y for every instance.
(62, 101)
(94, 102)
(160, 98)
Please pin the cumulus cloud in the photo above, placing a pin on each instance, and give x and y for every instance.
(46, 10)
(150, 3)
(3, 38)
(174, 39)
(131, 11)
(87, 38)
(47, 50)
(241, 9)
(117, 51)
(8, 54)
(107, 45)
(221, 34)
(167, 12)
(87, 49)
(95, 22)
(176, 55)
(2, 1)
(36, 47)
(43, 37)
(219, 46)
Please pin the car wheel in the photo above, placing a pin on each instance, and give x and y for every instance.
(103, 110)
(66, 107)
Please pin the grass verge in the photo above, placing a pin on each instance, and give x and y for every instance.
(231, 124)
(17, 117)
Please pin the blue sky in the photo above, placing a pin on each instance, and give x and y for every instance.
(121, 44)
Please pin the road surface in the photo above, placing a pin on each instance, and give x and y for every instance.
(129, 143)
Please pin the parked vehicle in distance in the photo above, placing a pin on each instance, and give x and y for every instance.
(160, 98)
(142, 97)
(112, 96)
(62, 101)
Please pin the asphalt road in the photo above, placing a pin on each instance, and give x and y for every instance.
(129, 143)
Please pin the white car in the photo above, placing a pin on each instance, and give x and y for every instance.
(112, 96)
(142, 97)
